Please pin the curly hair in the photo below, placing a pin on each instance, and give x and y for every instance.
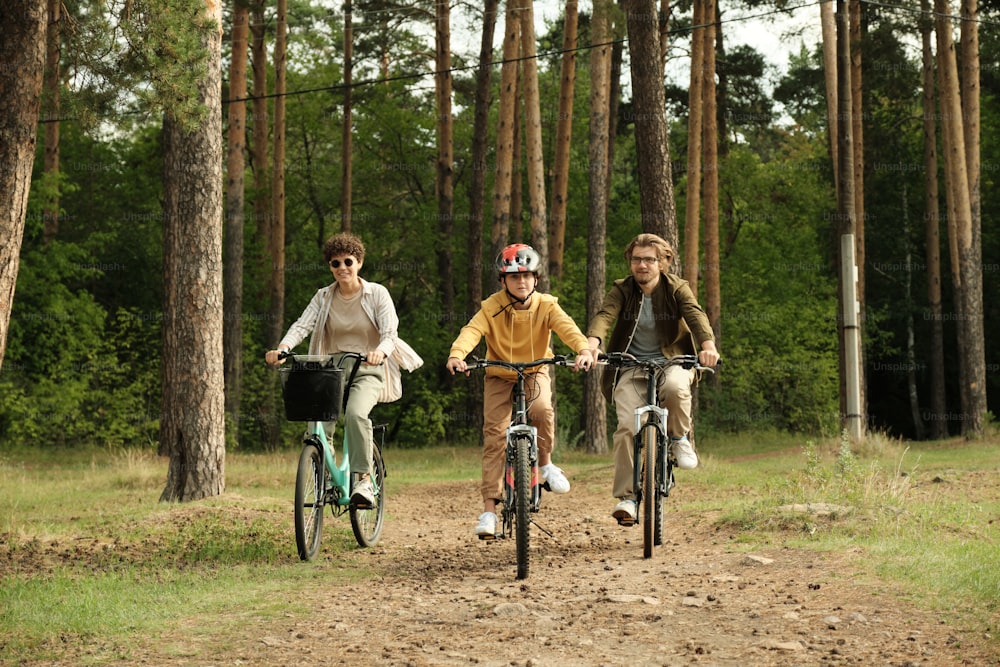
(664, 252)
(344, 243)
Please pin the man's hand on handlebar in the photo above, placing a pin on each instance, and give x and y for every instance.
(708, 356)
(584, 361)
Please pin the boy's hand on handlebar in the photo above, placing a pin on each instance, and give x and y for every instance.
(455, 364)
(584, 361)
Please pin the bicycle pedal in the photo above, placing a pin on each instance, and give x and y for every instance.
(487, 538)
(626, 523)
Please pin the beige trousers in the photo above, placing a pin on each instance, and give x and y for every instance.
(497, 393)
(674, 392)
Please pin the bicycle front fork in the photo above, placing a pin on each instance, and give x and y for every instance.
(516, 433)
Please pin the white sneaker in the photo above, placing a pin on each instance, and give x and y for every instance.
(625, 512)
(486, 529)
(555, 478)
(684, 453)
(364, 493)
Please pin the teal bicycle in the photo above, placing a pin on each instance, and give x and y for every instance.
(315, 390)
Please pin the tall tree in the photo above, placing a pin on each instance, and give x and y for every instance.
(829, 32)
(347, 129)
(713, 296)
(858, 144)
(938, 426)
(506, 120)
(276, 235)
(192, 427)
(445, 173)
(261, 121)
(52, 83)
(22, 52)
(564, 131)
(656, 186)
(534, 150)
(595, 409)
(477, 187)
(691, 262)
(235, 166)
(968, 288)
(971, 249)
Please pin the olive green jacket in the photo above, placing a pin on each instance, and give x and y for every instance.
(681, 323)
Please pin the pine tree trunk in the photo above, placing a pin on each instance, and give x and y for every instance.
(445, 169)
(656, 187)
(594, 405)
(692, 216)
(235, 166)
(260, 131)
(969, 285)
(971, 250)
(506, 120)
(346, 134)
(829, 32)
(564, 133)
(20, 92)
(193, 411)
(938, 425)
(53, 79)
(534, 150)
(710, 145)
(858, 143)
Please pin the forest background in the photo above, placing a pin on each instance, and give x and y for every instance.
(83, 363)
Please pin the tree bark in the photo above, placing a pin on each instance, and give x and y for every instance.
(534, 150)
(564, 133)
(22, 52)
(52, 82)
(261, 119)
(656, 187)
(938, 425)
(595, 408)
(506, 119)
(477, 187)
(710, 145)
(858, 143)
(445, 163)
(346, 134)
(193, 416)
(235, 166)
(276, 238)
(829, 32)
(971, 249)
(692, 216)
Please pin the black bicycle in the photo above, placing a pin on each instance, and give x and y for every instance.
(522, 480)
(653, 462)
(315, 389)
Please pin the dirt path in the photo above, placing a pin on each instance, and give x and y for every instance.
(445, 598)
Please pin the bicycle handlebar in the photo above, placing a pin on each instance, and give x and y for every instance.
(520, 366)
(325, 359)
(626, 360)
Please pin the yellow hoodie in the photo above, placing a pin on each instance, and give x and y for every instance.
(518, 335)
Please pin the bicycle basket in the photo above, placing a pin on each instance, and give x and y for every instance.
(312, 391)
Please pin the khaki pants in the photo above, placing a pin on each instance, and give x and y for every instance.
(364, 395)
(674, 392)
(497, 393)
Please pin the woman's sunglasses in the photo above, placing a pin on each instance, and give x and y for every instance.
(335, 263)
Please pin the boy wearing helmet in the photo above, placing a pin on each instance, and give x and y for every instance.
(517, 323)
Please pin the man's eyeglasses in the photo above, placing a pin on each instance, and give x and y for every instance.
(644, 260)
(335, 263)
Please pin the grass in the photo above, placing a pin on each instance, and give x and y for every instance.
(88, 554)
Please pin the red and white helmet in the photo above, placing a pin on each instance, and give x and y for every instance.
(518, 258)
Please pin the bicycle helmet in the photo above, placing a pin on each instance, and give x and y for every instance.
(518, 258)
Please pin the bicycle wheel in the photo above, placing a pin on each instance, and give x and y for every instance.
(309, 494)
(367, 523)
(649, 494)
(662, 489)
(522, 504)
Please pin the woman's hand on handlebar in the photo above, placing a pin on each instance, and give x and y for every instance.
(374, 357)
(274, 357)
